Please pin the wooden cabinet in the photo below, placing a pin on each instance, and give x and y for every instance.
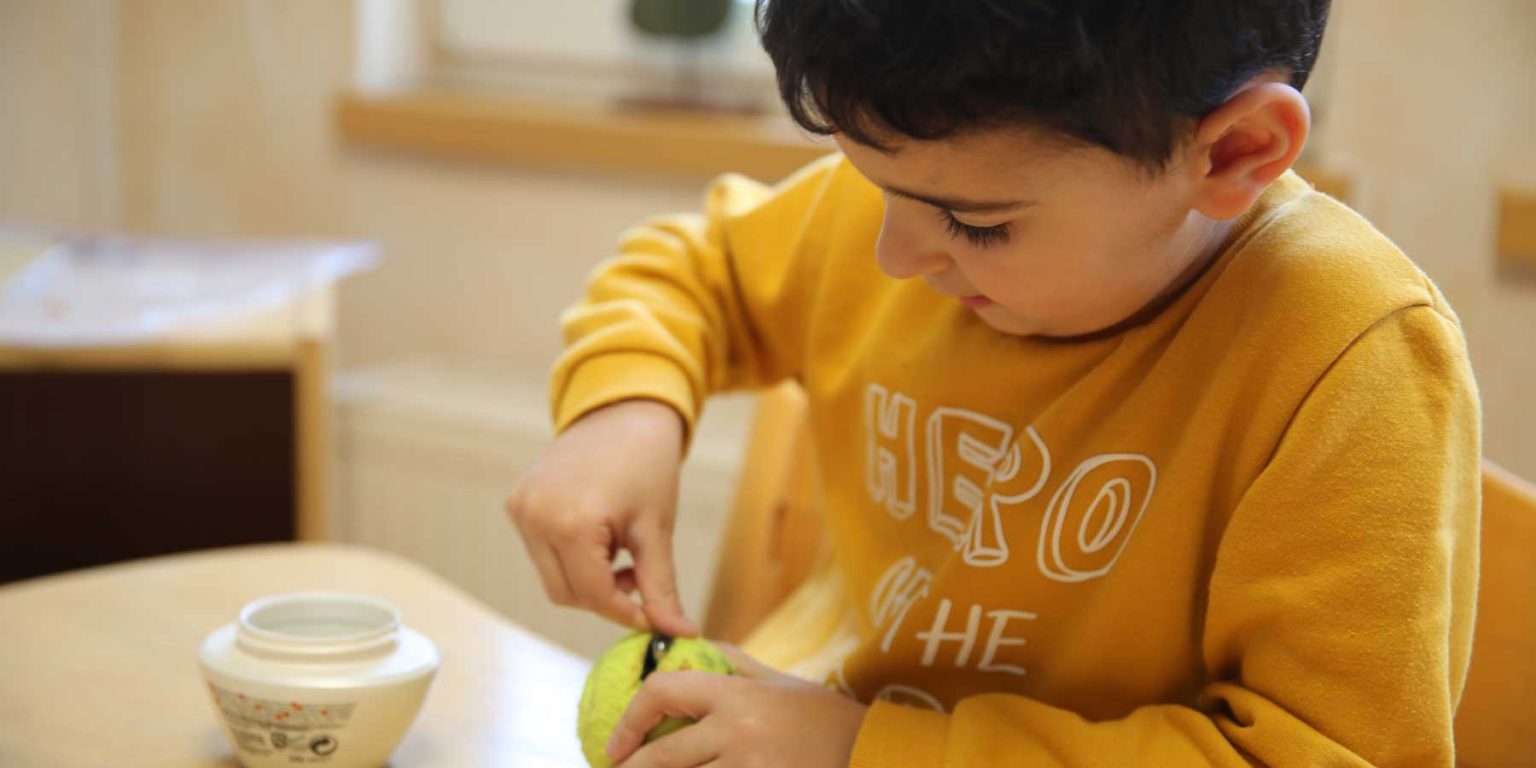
(212, 439)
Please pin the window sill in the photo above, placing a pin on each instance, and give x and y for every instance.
(677, 143)
(508, 131)
(1517, 230)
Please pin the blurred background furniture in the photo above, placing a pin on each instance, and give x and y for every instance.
(205, 438)
(1496, 724)
(774, 535)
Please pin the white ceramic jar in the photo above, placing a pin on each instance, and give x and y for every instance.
(317, 678)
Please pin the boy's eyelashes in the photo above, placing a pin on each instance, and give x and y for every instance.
(980, 237)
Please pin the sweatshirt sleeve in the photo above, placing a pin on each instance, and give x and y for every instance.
(1339, 612)
(695, 304)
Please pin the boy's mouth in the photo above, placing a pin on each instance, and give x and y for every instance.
(976, 302)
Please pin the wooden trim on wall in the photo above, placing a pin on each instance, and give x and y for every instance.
(313, 442)
(1517, 229)
(606, 138)
(152, 356)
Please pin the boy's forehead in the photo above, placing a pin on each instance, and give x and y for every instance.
(969, 158)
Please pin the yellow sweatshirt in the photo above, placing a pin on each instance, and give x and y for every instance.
(1242, 532)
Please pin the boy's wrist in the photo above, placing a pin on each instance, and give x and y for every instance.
(600, 382)
(642, 414)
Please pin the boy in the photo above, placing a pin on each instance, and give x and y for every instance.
(1136, 450)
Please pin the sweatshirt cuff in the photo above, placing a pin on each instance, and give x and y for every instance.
(618, 376)
(894, 735)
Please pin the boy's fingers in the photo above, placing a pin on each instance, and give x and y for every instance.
(664, 694)
(548, 566)
(624, 580)
(687, 748)
(620, 609)
(657, 580)
(590, 575)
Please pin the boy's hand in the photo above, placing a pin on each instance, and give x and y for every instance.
(609, 482)
(758, 717)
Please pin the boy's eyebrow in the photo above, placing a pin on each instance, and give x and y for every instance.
(959, 205)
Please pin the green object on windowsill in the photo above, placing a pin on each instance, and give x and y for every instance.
(680, 19)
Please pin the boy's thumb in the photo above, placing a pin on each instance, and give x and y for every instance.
(656, 578)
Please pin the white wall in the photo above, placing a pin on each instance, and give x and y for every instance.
(57, 126)
(227, 131)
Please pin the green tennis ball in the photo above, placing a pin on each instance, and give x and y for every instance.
(617, 676)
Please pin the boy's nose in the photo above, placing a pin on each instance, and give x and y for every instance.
(904, 254)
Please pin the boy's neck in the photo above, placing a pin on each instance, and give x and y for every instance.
(1208, 238)
(1209, 242)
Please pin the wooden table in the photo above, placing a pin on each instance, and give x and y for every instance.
(99, 667)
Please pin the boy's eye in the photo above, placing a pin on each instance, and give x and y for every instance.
(981, 237)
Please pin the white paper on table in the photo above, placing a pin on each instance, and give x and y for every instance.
(102, 291)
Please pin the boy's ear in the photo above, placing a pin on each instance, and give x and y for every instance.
(1245, 144)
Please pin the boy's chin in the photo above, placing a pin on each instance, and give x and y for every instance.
(1006, 322)
(1003, 321)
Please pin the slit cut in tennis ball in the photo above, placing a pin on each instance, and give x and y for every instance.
(618, 675)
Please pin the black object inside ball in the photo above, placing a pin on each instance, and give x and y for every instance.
(654, 650)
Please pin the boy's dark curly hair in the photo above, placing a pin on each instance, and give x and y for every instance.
(1128, 75)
